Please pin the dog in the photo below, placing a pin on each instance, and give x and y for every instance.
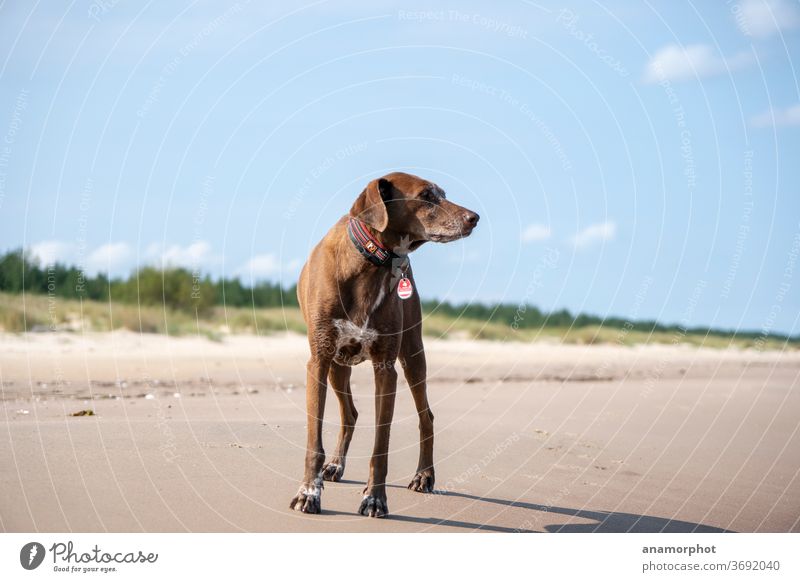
(359, 300)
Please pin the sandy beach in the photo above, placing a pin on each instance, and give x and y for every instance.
(190, 434)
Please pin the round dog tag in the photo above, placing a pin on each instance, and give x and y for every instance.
(404, 288)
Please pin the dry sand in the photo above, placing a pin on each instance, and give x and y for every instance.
(195, 435)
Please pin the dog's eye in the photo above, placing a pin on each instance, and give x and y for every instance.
(427, 196)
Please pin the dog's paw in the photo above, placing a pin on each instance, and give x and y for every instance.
(423, 481)
(333, 471)
(373, 506)
(307, 500)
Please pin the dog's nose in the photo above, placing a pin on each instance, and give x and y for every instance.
(471, 218)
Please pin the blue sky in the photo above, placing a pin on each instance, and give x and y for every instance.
(634, 159)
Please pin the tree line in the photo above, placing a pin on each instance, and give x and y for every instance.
(181, 289)
(176, 288)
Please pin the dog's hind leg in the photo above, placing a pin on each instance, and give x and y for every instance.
(339, 377)
(412, 358)
(308, 496)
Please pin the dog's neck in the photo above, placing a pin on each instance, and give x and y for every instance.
(374, 246)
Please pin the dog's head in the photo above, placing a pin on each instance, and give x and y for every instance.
(409, 208)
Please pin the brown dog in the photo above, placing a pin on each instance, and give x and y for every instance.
(351, 293)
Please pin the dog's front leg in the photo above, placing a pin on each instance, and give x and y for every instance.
(416, 374)
(374, 502)
(308, 496)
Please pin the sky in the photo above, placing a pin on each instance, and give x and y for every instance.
(631, 159)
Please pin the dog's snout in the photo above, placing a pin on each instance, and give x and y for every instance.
(471, 218)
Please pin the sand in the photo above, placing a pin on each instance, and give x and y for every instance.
(190, 434)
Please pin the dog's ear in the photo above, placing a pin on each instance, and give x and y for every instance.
(370, 206)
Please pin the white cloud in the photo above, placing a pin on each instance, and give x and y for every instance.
(267, 265)
(109, 258)
(196, 254)
(595, 233)
(680, 63)
(777, 117)
(261, 266)
(763, 18)
(53, 251)
(535, 232)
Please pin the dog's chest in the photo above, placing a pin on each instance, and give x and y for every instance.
(355, 336)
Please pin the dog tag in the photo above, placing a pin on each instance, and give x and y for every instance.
(404, 288)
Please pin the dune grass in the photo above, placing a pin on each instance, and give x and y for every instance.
(41, 313)
(448, 327)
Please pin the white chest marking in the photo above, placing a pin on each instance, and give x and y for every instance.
(376, 303)
(350, 334)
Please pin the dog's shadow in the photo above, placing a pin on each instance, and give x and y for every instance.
(601, 521)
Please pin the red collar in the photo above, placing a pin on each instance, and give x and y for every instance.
(367, 244)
